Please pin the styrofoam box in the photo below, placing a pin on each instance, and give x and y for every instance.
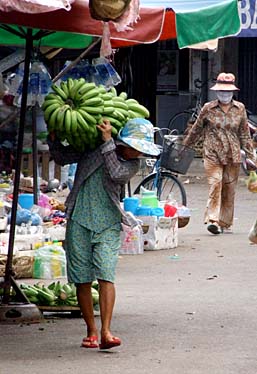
(162, 232)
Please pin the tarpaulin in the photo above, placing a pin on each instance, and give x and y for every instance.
(190, 21)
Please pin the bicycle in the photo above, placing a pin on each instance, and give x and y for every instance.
(174, 159)
(181, 120)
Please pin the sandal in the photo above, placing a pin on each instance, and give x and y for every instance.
(214, 228)
(107, 344)
(90, 342)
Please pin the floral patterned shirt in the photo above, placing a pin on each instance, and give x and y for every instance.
(224, 134)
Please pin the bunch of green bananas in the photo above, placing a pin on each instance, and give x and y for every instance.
(56, 294)
(76, 106)
(118, 109)
(72, 111)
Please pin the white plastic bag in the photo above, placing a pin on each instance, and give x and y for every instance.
(131, 240)
(184, 211)
(34, 6)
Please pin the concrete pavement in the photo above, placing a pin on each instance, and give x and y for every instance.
(195, 314)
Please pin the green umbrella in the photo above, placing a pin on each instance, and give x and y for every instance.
(15, 36)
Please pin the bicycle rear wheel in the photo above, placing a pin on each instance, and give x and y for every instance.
(180, 121)
(167, 184)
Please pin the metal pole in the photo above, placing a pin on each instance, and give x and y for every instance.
(8, 268)
(76, 61)
(34, 153)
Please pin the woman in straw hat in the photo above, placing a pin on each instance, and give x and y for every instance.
(223, 124)
(94, 216)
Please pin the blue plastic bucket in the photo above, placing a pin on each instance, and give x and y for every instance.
(143, 210)
(26, 200)
(131, 204)
(158, 212)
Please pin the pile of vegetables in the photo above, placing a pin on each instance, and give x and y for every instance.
(56, 294)
(75, 106)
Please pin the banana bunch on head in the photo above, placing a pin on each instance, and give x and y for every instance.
(76, 106)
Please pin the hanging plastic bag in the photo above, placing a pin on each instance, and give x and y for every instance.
(251, 182)
(131, 241)
(108, 76)
(34, 6)
(252, 236)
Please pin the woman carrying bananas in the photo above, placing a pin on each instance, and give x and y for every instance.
(94, 216)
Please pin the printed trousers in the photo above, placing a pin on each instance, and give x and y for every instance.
(222, 181)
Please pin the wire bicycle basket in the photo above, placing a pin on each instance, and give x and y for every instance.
(176, 157)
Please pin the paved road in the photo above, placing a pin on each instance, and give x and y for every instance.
(192, 315)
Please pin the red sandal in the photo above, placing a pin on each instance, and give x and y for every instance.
(90, 342)
(107, 344)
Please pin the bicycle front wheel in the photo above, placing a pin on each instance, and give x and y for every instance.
(180, 121)
(167, 185)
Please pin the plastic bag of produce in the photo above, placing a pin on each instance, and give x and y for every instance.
(251, 182)
(49, 262)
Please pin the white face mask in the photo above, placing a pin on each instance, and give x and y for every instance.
(224, 96)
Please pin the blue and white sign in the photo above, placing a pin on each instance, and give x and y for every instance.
(248, 11)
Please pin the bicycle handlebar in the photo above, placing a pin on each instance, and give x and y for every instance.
(162, 129)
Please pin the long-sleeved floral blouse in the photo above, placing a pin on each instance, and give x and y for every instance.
(224, 134)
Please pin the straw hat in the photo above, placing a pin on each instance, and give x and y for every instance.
(225, 82)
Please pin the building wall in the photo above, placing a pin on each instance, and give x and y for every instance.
(247, 72)
(138, 67)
